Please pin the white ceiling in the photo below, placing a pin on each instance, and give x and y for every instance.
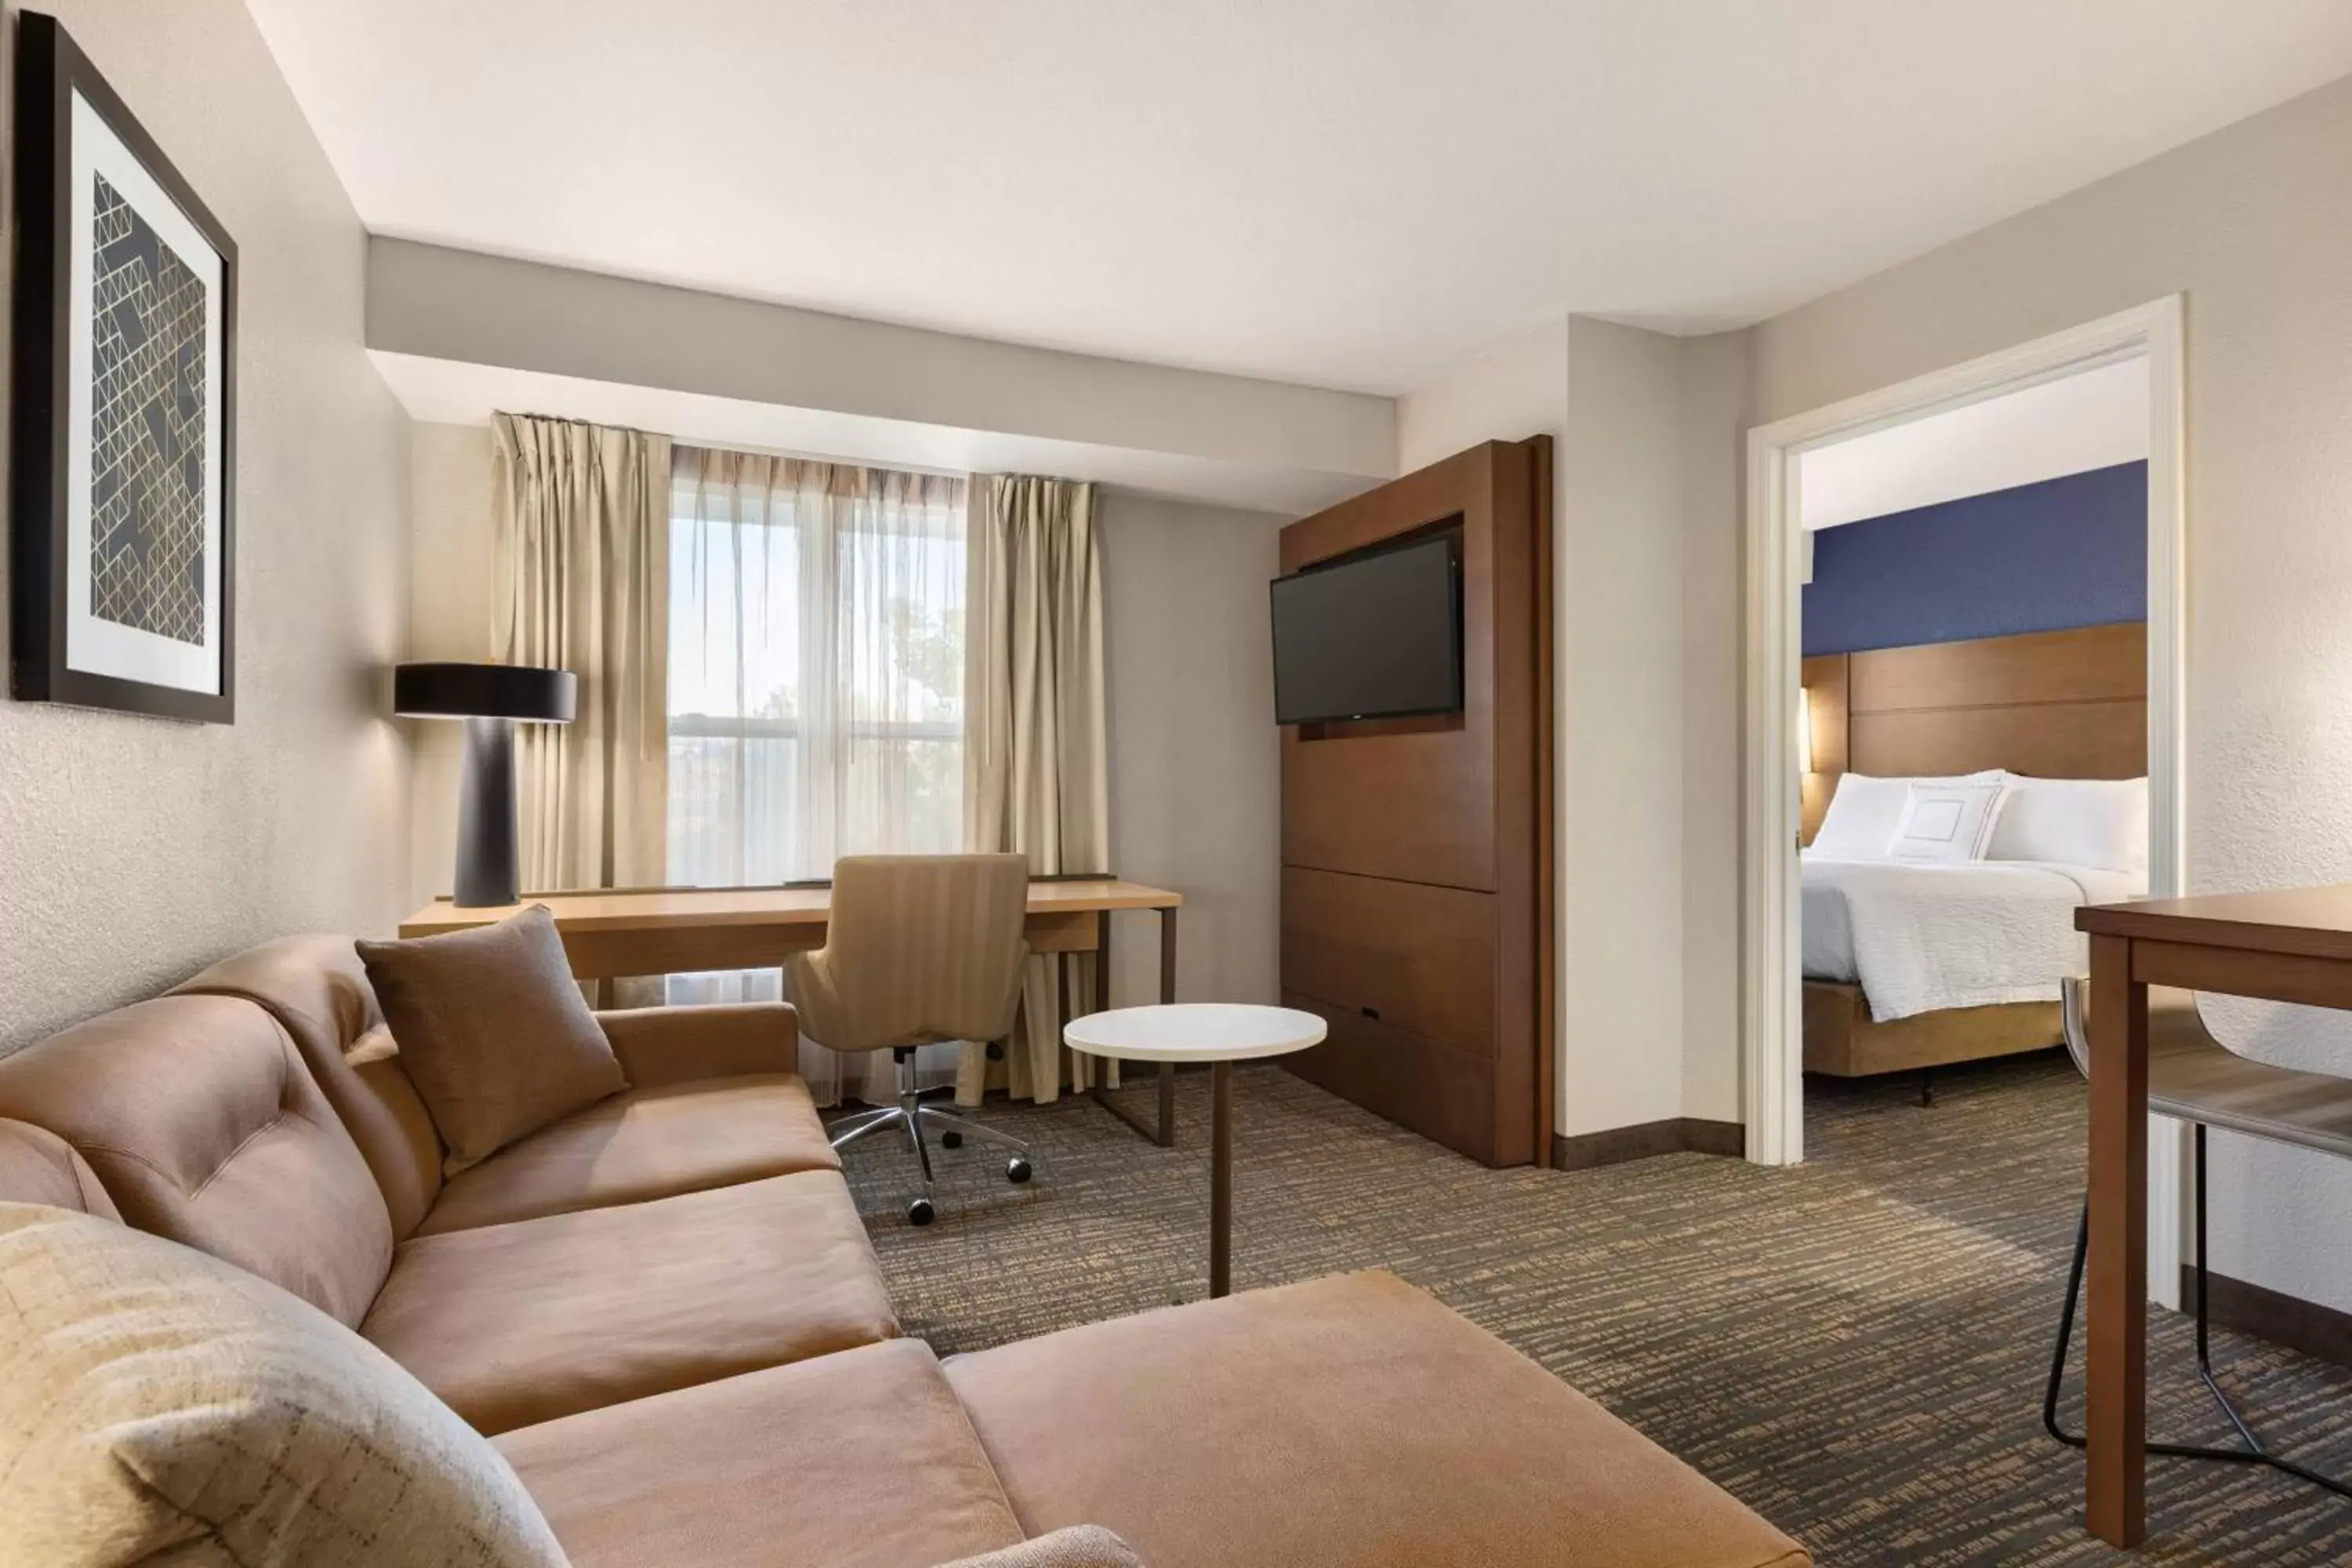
(1345, 192)
(2093, 419)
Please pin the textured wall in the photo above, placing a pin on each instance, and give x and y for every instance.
(133, 850)
(1195, 758)
(2069, 551)
(2253, 226)
(449, 618)
(1618, 630)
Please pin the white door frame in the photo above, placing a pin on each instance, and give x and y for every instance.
(1772, 995)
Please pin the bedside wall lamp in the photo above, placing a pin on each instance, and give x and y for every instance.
(491, 699)
(1805, 729)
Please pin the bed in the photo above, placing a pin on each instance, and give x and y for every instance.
(1913, 963)
(1911, 966)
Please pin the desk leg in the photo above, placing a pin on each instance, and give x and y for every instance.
(2115, 1387)
(1221, 1178)
(1164, 1132)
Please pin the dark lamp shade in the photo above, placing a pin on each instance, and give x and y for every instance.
(485, 691)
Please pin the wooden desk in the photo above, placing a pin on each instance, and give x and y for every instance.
(680, 931)
(2293, 946)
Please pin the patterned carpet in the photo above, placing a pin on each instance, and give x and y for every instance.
(1855, 1347)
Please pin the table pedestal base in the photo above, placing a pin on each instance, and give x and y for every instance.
(1221, 1179)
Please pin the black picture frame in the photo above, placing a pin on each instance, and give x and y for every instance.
(51, 73)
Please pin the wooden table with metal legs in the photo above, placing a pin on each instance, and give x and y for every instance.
(1219, 1034)
(2288, 946)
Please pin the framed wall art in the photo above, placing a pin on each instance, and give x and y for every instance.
(122, 440)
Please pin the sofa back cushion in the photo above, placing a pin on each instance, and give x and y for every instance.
(316, 988)
(36, 1166)
(163, 1406)
(203, 1126)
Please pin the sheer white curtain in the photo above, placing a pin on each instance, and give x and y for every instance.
(817, 655)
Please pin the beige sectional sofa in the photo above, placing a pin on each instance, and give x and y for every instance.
(665, 1310)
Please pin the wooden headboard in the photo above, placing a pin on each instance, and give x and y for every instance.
(2056, 705)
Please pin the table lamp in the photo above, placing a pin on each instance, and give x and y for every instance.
(491, 699)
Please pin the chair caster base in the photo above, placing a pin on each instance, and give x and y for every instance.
(1016, 1170)
(921, 1212)
(951, 1139)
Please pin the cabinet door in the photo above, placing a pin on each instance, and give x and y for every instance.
(1417, 957)
(1443, 1094)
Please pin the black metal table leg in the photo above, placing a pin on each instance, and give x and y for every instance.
(1221, 1178)
(1167, 1139)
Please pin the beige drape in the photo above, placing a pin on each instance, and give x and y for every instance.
(1036, 779)
(579, 520)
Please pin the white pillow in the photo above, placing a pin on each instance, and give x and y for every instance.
(2074, 822)
(1948, 824)
(1865, 813)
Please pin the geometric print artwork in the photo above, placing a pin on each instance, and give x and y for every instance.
(147, 428)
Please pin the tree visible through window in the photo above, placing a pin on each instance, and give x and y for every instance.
(816, 666)
(816, 640)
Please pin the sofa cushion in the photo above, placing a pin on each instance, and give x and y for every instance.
(644, 1143)
(524, 1322)
(203, 1126)
(493, 1031)
(315, 988)
(36, 1166)
(1351, 1420)
(858, 1460)
(159, 1404)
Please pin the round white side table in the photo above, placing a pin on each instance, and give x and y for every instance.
(1218, 1033)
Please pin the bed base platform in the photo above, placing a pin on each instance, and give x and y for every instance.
(1843, 1039)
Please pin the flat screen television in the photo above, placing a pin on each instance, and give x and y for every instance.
(1376, 635)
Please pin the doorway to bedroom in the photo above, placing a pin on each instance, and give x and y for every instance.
(1964, 650)
(1973, 736)
(2057, 713)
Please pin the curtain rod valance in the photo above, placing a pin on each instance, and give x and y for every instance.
(812, 476)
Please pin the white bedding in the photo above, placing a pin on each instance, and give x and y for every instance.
(1916, 938)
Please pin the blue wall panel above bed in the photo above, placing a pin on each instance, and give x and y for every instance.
(2069, 551)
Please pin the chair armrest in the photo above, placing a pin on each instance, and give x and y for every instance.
(1077, 1546)
(674, 1045)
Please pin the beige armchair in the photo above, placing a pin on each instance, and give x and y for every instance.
(921, 949)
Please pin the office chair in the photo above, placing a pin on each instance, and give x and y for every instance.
(921, 950)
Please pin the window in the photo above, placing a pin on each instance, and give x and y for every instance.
(816, 666)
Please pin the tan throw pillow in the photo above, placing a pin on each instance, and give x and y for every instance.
(493, 1031)
(159, 1401)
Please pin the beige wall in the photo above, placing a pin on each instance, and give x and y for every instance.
(1195, 758)
(1620, 631)
(134, 850)
(1714, 416)
(2254, 226)
(449, 618)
